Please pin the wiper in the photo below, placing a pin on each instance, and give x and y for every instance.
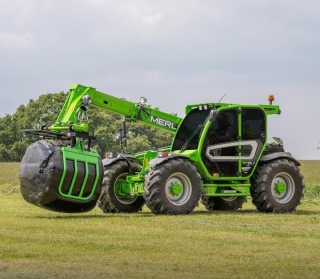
(183, 148)
(209, 117)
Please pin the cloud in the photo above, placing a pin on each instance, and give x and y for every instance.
(152, 19)
(172, 52)
(12, 41)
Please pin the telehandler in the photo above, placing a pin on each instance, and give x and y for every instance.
(219, 156)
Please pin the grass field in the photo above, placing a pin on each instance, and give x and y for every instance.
(36, 243)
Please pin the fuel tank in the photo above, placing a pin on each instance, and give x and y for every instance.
(57, 177)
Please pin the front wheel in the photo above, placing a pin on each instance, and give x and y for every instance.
(172, 188)
(113, 180)
(222, 203)
(277, 187)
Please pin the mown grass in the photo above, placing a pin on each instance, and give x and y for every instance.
(36, 243)
(9, 180)
(245, 244)
(311, 172)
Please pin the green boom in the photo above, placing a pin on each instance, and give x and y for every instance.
(71, 111)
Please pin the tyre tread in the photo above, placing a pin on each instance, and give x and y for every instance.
(154, 183)
(107, 202)
(261, 188)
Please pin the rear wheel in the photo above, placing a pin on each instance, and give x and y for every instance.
(172, 188)
(277, 187)
(113, 180)
(222, 203)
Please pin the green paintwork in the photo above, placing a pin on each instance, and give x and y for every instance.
(213, 185)
(269, 109)
(77, 154)
(176, 189)
(122, 188)
(71, 109)
(280, 187)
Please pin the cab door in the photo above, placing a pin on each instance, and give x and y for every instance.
(237, 155)
(220, 154)
(253, 136)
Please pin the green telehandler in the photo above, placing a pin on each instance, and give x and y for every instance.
(219, 156)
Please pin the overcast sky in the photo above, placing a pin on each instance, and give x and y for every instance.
(173, 53)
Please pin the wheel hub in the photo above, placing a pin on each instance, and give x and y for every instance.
(176, 189)
(280, 187)
(122, 190)
(283, 187)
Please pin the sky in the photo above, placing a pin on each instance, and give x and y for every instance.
(174, 53)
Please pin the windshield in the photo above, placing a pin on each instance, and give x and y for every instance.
(188, 126)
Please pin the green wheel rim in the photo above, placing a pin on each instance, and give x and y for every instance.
(283, 187)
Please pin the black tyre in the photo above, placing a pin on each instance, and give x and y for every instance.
(172, 188)
(222, 203)
(109, 201)
(277, 187)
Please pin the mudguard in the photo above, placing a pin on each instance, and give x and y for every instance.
(117, 157)
(278, 155)
(158, 161)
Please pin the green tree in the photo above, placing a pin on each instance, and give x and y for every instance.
(13, 142)
(4, 155)
(17, 149)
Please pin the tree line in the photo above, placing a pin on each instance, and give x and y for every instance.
(102, 124)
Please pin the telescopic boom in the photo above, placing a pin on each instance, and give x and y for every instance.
(74, 113)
